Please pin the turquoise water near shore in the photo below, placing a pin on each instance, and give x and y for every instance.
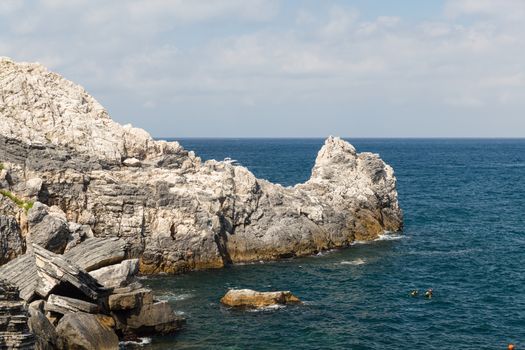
(464, 206)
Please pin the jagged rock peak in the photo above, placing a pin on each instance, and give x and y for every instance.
(41, 107)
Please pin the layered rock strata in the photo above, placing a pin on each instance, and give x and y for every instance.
(14, 331)
(70, 308)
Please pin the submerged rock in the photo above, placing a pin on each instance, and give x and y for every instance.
(174, 212)
(247, 298)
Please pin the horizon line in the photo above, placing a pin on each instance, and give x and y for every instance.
(347, 137)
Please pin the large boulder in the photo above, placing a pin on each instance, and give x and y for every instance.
(247, 298)
(118, 275)
(153, 318)
(86, 332)
(45, 333)
(48, 228)
(130, 297)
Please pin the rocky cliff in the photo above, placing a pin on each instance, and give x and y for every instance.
(94, 177)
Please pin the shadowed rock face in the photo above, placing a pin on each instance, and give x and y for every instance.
(175, 212)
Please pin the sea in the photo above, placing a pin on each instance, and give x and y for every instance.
(464, 237)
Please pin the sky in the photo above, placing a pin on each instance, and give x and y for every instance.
(286, 68)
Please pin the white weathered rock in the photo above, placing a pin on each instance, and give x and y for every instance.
(132, 162)
(117, 275)
(176, 213)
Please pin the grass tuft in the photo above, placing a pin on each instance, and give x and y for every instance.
(26, 205)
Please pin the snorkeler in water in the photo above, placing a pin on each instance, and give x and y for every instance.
(414, 293)
(428, 293)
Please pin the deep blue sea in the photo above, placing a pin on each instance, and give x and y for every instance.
(464, 206)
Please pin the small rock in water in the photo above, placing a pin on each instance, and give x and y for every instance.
(247, 298)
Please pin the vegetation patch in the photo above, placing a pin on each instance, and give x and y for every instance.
(26, 205)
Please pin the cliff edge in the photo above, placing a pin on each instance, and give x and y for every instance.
(58, 146)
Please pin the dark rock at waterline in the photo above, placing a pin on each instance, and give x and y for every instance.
(152, 318)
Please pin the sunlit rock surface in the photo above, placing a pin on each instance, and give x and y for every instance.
(175, 213)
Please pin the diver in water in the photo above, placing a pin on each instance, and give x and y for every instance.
(428, 293)
(414, 293)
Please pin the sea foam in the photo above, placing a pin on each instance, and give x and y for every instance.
(355, 262)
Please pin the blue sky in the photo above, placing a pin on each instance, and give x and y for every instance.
(281, 68)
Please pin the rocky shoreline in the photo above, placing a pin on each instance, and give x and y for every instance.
(73, 183)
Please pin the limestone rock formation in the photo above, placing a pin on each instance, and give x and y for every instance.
(247, 298)
(69, 308)
(174, 212)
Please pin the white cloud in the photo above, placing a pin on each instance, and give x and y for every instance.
(339, 23)
(508, 9)
(195, 57)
